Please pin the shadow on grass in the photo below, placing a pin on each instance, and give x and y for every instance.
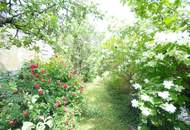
(108, 107)
(120, 99)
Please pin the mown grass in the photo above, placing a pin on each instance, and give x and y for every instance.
(108, 107)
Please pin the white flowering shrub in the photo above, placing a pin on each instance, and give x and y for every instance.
(160, 71)
(159, 63)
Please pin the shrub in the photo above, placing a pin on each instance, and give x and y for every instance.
(46, 95)
(161, 70)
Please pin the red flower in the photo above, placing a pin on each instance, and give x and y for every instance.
(40, 92)
(43, 80)
(25, 114)
(58, 104)
(65, 86)
(43, 71)
(33, 66)
(36, 86)
(72, 129)
(37, 75)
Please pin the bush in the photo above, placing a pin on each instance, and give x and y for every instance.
(45, 95)
(160, 71)
(158, 67)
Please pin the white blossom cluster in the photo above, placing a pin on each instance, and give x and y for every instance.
(184, 9)
(180, 38)
(165, 95)
(169, 107)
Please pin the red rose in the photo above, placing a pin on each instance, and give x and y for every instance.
(40, 92)
(43, 71)
(37, 75)
(33, 66)
(25, 114)
(65, 86)
(36, 86)
(43, 80)
(58, 104)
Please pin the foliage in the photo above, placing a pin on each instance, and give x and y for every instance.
(156, 59)
(165, 14)
(112, 54)
(45, 94)
(27, 21)
(80, 45)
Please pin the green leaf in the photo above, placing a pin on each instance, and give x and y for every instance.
(3, 6)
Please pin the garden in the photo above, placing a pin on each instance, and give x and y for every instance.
(94, 65)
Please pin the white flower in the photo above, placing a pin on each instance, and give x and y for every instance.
(134, 103)
(139, 128)
(179, 38)
(146, 112)
(131, 81)
(179, 88)
(164, 94)
(169, 108)
(145, 54)
(137, 61)
(151, 63)
(28, 125)
(145, 98)
(137, 86)
(34, 98)
(149, 45)
(146, 80)
(159, 56)
(160, 37)
(177, 128)
(168, 84)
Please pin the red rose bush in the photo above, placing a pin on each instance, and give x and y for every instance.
(49, 97)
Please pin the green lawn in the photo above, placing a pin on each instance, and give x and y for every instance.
(108, 107)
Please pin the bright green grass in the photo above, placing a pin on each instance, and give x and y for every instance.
(108, 107)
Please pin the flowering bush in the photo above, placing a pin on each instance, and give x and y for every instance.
(157, 62)
(160, 74)
(45, 95)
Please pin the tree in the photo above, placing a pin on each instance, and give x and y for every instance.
(24, 21)
(165, 14)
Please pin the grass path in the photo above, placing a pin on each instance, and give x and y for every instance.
(108, 107)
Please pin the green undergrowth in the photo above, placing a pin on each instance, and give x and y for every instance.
(108, 106)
